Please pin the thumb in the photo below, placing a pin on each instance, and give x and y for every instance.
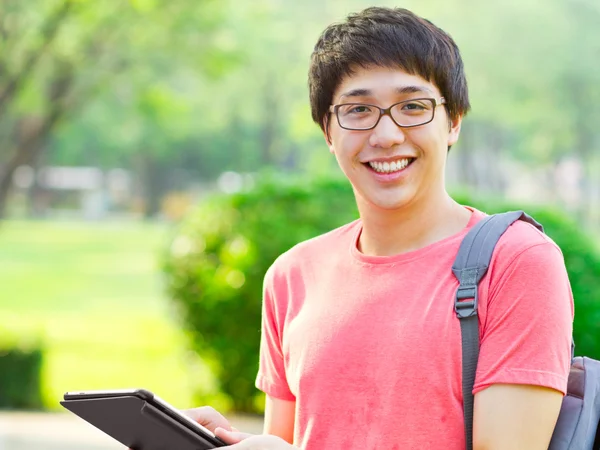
(231, 437)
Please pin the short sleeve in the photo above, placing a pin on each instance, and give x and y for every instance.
(526, 333)
(271, 378)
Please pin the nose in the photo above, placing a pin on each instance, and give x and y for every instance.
(386, 134)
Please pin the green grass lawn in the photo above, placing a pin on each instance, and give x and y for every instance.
(92, 292)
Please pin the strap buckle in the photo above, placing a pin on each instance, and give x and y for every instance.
(466, 308)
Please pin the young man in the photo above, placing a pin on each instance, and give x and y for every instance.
(361, 348)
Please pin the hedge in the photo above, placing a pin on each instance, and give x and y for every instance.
(20, 376)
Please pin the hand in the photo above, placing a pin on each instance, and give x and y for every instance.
(209, 418)
(245, 441)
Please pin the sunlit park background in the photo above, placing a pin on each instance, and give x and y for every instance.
(121, 120)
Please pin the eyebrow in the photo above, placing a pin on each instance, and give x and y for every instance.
(399, 90)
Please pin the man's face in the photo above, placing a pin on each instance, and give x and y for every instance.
(362, 155)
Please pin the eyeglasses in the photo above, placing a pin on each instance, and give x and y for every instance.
(406, 114)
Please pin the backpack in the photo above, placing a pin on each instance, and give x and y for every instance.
(577, 425)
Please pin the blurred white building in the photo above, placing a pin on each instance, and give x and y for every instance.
(85, 192)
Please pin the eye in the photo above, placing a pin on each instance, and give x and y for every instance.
(355, 109)
(360, 109)
(414, 106)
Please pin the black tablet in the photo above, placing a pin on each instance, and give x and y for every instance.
(140, 420)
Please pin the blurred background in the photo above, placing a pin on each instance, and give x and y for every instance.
(156, 156)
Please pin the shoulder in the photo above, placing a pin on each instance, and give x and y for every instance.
(519, 241)
(305, 255)
(523, 241)
(525, 259)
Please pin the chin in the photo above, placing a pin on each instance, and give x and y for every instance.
(391, 206)
(389, 202)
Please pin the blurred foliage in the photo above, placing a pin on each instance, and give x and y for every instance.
(220, 253)
(179, 91)
(20, 373)
(108, 76)
(217, 261)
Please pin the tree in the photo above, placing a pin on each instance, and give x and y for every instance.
(84, 47)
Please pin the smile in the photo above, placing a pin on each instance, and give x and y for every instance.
(390, 167)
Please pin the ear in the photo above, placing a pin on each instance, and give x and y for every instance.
(454, 130)
(327, 134)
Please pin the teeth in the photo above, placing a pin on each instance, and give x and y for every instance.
(387, 167)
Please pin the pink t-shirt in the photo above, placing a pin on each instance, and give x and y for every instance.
(370, 347)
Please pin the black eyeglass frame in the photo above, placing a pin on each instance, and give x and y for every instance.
(388, 112)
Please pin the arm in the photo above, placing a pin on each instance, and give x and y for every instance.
(279, 418)
(515, 417)
(525, 351)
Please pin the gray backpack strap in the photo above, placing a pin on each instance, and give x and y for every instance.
(470, 265)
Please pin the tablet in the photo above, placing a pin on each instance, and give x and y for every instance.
(140, 420)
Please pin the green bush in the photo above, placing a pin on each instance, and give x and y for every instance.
(216, 263)
(20, 377)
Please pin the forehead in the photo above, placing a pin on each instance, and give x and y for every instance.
(381, 82)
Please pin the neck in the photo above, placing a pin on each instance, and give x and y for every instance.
(392, 232)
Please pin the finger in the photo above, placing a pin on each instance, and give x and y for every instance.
(231, 437)
(208, 417)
